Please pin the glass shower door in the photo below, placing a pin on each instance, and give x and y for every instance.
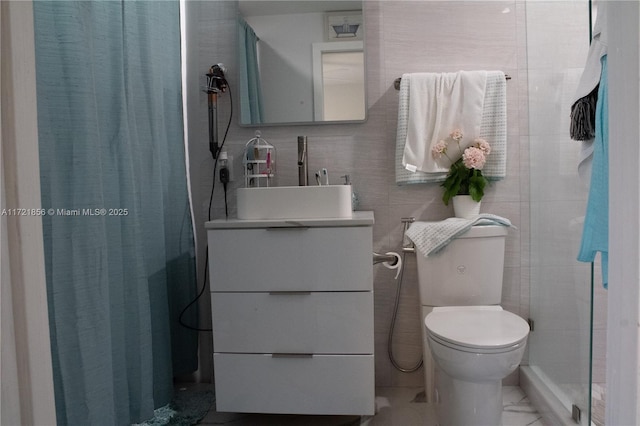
(560, 286)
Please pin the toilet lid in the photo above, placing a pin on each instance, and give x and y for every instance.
(477, 328)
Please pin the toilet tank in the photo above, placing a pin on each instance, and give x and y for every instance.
(468, 271)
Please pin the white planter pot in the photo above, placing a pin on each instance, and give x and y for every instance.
(465, 207)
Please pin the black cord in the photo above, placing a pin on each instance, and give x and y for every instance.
(182, 323)
(224, 178)
(215, 164)
(213, 186)
(206, 262)
(226, 206)
(224, 138)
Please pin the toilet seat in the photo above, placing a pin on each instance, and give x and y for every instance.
(478, 329)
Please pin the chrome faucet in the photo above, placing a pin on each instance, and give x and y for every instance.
(303, 175)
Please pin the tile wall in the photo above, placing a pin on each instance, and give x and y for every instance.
(401, 37)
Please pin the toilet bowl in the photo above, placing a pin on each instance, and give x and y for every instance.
(474, 348)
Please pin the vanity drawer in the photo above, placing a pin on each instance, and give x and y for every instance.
(297, 258)
(318, 384)
(339, 322)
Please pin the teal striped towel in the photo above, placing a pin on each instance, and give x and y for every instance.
(431, 237)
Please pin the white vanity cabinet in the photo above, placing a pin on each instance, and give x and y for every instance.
(292, 307)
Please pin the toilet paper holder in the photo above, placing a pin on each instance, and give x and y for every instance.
(407, 245)
(380, 258)
(390, 260)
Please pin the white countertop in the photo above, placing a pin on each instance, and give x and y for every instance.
(359, 218)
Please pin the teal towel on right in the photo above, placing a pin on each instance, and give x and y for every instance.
(595, 235)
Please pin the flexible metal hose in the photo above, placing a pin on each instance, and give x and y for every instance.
(393, 323)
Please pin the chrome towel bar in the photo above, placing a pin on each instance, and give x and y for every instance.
(396, 82)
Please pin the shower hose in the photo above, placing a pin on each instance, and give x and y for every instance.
(393, 323)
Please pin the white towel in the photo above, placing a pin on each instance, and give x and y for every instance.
(431, 237)
(493, 128)
(439, 104)
(589, 80)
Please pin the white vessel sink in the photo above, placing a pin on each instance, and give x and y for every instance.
(295, 202)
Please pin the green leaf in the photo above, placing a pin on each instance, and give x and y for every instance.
(451, 186)
(463, 181)
(477, 182)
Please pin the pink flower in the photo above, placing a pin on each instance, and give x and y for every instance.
(474, 158)
(456, 135)
(483, 145)
(439, 149)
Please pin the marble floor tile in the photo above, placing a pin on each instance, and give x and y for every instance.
(517, 410)
(395, 406)
(598, 403)
(400, 406)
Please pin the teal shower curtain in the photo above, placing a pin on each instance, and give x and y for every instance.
(251, 109)
(119, 248)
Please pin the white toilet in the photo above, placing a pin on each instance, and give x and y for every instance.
(469, 342)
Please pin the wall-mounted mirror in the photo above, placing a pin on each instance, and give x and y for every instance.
(301, 62)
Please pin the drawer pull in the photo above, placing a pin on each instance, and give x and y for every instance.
(287, 293)
(291, 355)
(291, 226)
